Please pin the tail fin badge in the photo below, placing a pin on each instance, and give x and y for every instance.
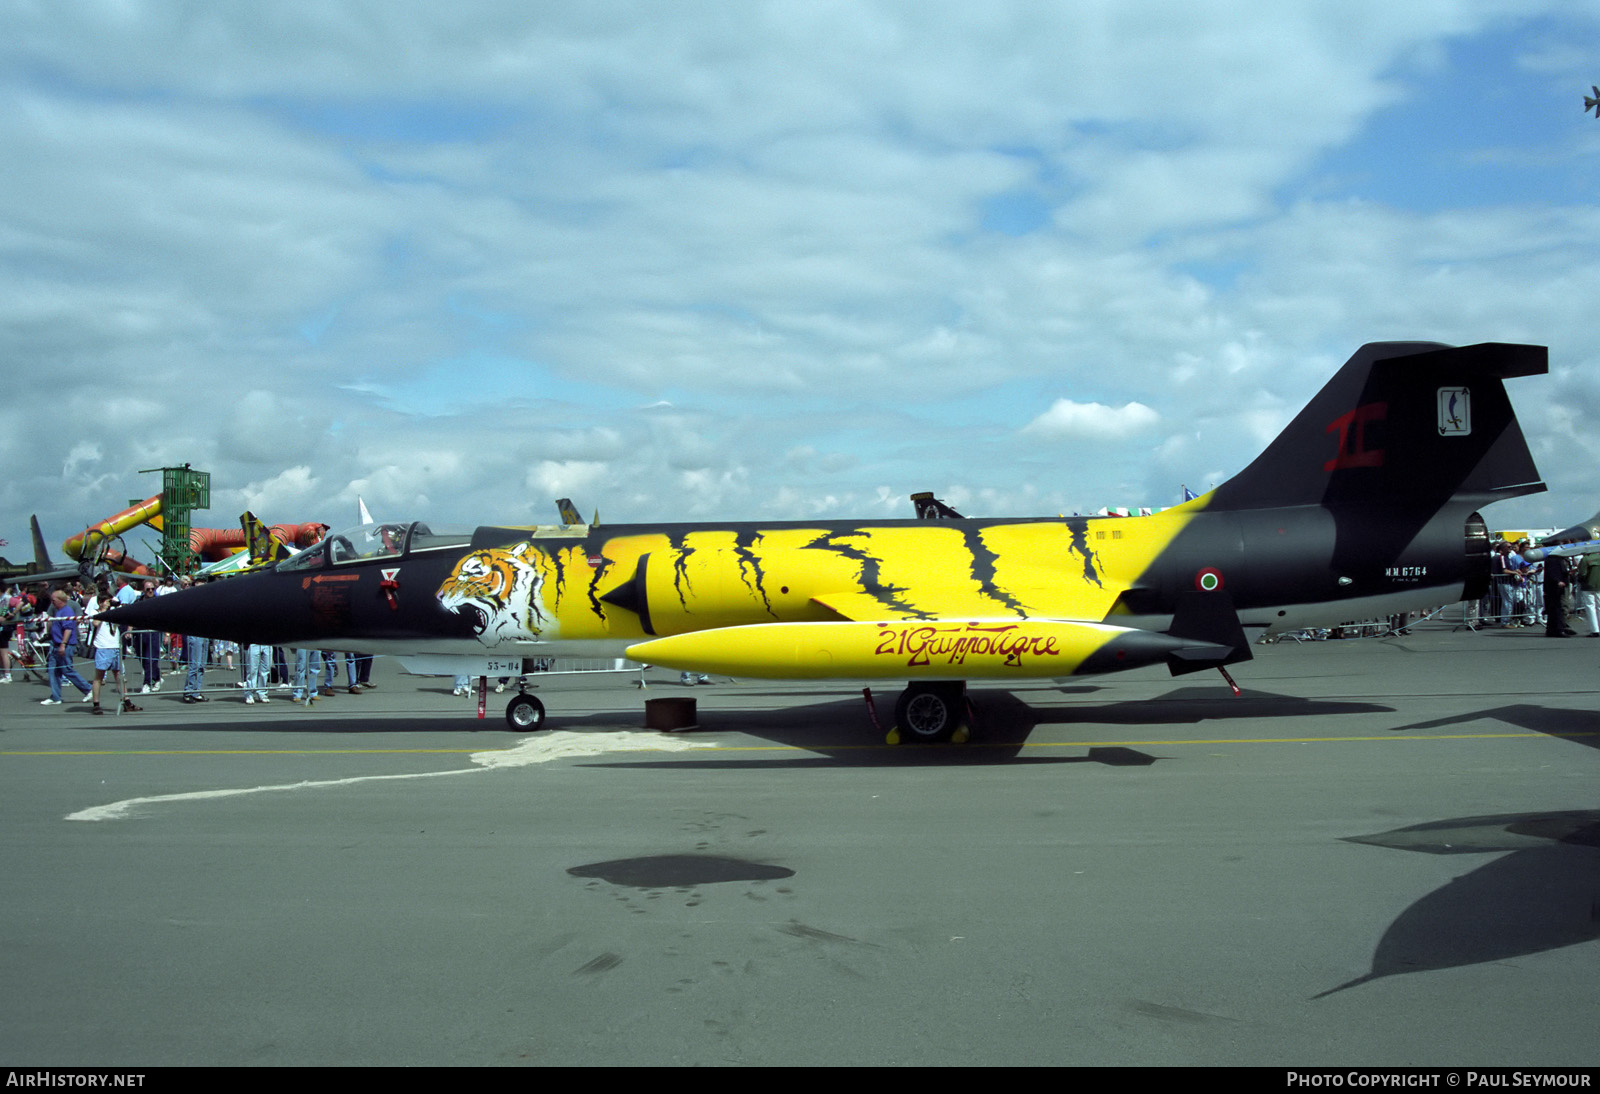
(1455, 412)
(1352, 427)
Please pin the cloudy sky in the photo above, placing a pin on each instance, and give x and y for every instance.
(752, 260)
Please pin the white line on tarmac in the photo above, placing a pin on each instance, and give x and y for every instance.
(536, 750)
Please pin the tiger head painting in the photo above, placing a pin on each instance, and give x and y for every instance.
(497, 591)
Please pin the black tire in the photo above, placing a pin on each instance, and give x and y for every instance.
(524, 714)
(928, 713)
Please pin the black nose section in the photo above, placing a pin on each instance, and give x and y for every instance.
(242, 609)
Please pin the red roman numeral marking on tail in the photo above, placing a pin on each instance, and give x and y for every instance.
(1353, 450)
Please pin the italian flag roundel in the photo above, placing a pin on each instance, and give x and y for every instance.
(1208, 580)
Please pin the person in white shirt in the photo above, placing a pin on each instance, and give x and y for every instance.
(106, 641)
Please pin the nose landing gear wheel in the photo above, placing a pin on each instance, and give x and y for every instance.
(524, 714)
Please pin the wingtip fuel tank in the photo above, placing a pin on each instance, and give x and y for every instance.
(917, 649)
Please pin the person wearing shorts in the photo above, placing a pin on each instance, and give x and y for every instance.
(105, 639)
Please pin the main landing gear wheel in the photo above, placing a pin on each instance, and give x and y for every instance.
(524, 714)
(929, 713)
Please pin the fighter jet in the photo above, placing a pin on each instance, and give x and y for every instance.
(1580, 539)
(1366, 505)
(41, 568)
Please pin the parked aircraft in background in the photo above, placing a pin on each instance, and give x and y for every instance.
(263, 547)
(1580, 539)
(929, 507)
(569, 512)
(41, 568)
(1366, 505)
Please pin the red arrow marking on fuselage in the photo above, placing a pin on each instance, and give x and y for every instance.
(306, 583)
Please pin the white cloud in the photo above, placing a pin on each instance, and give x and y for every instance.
(1092, 421)
(80, 458)
(567, 478)
(294, 488)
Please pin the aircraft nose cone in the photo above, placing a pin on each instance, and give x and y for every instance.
(241, 610)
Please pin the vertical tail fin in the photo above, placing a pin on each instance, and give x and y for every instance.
(41, 554)
(263, 547)
(1408, 425)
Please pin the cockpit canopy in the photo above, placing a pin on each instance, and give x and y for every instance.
(375, 541)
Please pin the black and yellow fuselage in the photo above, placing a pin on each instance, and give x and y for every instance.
(1366, 505)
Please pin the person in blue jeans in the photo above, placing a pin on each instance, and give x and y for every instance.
(305, 676)
(258, 661)
(195, 651)
(63, 640)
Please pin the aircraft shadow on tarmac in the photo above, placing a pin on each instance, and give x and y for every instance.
(1191, 705)
(1543, 895)
(840, 730)
(842, 734)
(1582, 726)
(314, 721)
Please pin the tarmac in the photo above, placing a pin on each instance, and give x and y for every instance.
(1386, 852)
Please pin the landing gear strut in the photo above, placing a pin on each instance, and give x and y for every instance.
(931, 712)
(525, 713)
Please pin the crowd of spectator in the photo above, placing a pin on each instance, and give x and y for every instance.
(45, 631)
(1541, 594)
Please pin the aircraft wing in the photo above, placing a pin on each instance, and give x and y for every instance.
(857, 607)
(72, 573)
